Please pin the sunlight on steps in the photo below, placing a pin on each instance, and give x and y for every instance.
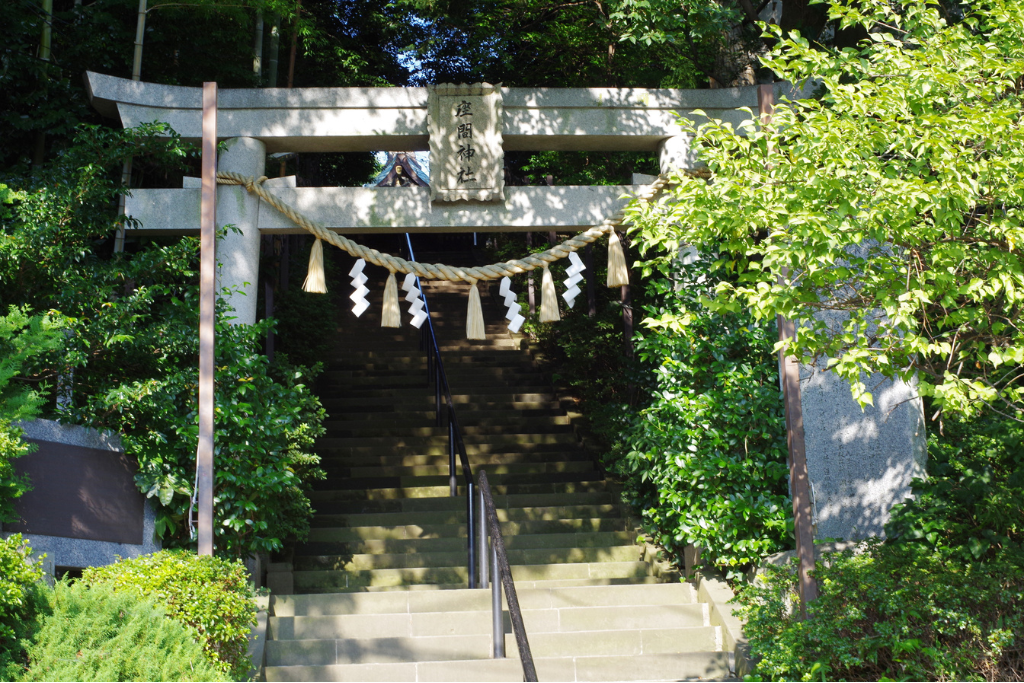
(380, 583)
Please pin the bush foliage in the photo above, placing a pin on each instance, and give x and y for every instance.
(131, 321)
(20, 597)
(207, 594)
(896, 190)
(98, 633)
(893, 612)
(705, 462)
(22, 339)
(969, 505)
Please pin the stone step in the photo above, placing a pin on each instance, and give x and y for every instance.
(653, 667)
(414, 486)
(480, 460)
(337, 581)
(472, 599)
(568, 619)
(462, 402)
(411, 398)
(542, 443)
(454, 371)
(416, 386)
(415, 369)
(425, 429)
(441, 468)
(397, 365)
(458, 503)
(480, 456)
(520, 584)
(382, 576)
(417, 393)
(453, 542)
(494, 342)
(427, 557)
(442, 648)
(373, 359)
(322, 498)
(390, 419)
(408, 340)
(402, 525)
(476, 445)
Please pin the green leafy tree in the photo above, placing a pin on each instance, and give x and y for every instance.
(266, 421)
(22, 338)
(720, 40)
(704, 462)
(525, 43)
(131, 319)
(884, 216)
(969, 504)
(187, 42)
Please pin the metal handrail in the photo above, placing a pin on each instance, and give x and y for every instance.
(486, 523)
(437, 375)
(502, 572)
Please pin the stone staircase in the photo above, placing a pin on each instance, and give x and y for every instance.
(387, 538)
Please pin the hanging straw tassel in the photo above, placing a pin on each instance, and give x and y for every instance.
(392, 314)
(315, 281)
(618, 274)
(475, 316)
(548, 298)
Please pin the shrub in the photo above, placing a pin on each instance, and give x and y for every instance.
(893, 612)
(267, 420)
(209, 594)
(20, 597)
(21, 339)
(131, 319)
(970, 502)
(12, 485)
(101, 634)
(705, 462)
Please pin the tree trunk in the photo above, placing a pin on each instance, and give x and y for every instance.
(257, 50)
(275, 46)
(295, 41)
(44, 56)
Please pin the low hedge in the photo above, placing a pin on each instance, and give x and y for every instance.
(209, 594)
(21, 595)
(892, 612)
(98, 633)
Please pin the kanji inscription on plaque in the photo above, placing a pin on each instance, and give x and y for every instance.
(466, 156)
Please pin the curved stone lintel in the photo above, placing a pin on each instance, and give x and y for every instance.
(371, 119)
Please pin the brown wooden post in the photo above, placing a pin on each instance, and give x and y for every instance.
(207, 303)
(789, 370)
(531, 298)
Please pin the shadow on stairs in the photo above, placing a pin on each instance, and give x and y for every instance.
(380, 585)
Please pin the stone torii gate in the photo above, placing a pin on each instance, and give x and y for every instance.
(257, 122)
(859, 463)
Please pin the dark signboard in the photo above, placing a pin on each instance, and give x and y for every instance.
(79, 492)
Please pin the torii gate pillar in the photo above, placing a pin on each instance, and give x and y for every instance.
(238, 255)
